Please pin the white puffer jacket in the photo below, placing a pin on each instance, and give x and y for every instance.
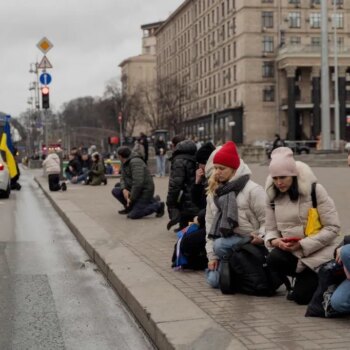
(288, 219)
(251, 210)
(51, 164)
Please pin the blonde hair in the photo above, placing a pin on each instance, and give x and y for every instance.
(213, 183)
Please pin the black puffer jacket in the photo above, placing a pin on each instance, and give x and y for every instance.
(137, 179)
(182, 178)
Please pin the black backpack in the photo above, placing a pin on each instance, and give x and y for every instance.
(246, 272)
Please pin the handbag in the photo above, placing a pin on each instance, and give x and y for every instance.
(313, 224)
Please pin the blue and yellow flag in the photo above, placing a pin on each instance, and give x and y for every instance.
(10, 159)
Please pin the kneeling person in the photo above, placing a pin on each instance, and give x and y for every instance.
(136, 189)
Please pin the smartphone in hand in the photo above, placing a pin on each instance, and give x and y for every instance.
(291, 239)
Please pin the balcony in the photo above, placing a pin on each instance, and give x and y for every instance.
(308, 55)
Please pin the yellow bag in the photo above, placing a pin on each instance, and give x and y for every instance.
(313, 225)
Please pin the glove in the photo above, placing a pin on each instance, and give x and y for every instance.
(175, 216)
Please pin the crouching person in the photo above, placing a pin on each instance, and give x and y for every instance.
(289, 189)
(136, 188)
(235, 209)
(52, 168)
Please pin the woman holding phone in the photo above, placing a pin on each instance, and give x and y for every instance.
(294, 254)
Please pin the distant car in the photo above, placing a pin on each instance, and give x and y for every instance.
(5, 180)
(298, 147)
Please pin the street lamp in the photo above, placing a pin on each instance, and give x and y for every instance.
(336, 87)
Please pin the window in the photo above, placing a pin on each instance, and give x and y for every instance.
(268, 44)
(267, 1)
(295, 2)
(268, 69)
(316, 41)
(269, 93)
(337, 2)
(337, 20)
(315, 20)
(267, 19)
(315, 2)
(295, 40)
(294, 19)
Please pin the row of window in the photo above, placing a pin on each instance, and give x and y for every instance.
(294, 19)
(297, 2)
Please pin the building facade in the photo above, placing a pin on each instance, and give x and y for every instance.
(251, 68)
(139, 72)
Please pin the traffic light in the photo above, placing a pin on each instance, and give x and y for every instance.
(45, 97)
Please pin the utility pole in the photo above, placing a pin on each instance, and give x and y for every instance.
(336, 86)
(325, 117)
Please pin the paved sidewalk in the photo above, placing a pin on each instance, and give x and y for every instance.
(177, 309)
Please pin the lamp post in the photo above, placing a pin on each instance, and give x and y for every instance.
(325, 78)
(336, 86)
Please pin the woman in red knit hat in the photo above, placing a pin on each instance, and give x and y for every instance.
(235, 208)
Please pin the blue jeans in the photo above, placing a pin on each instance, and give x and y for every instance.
(160, 165)
(222, 247)
(140, 208)
(340, 299)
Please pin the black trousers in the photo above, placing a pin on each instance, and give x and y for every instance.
(54, 182)
(306, 282)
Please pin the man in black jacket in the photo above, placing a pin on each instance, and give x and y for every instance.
(182, 176)
(136, 188)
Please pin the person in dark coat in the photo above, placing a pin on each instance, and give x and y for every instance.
(199, 195)
(136, 189)
(73, 168)
(143, 140)
(181, 208)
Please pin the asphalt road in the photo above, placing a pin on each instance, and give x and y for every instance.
(51, 295)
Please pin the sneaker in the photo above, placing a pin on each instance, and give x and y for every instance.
(160, 211)
(123, 211)
(290, 295)
(63, 186)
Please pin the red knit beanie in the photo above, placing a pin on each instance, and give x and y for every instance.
(227, 155)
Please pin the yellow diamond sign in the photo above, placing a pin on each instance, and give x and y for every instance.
(44, 45)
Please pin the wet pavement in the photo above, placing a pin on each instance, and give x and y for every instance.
(52, 296)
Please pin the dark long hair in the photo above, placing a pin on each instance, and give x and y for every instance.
(293, 191)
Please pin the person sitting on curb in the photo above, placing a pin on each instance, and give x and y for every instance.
(52, 167)
(96, 175)
(293, 254)
(86, 165)
(136, 188)
(235, 209)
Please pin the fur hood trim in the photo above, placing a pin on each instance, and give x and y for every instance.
(305, 178)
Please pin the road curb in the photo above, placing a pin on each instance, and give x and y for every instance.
(171, 320)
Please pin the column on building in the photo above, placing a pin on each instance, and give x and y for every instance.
(292, 123)
(342, 100)
(316, 100)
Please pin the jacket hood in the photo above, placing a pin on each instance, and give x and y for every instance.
(209, 167)
(185, 147)
(132, 156)
(305, 178)
(242, 170)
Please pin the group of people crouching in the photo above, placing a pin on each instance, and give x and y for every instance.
(81, 168)
(236, 208)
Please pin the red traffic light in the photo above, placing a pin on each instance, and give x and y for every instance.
(45, 90)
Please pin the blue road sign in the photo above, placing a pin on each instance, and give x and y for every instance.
(45, 78)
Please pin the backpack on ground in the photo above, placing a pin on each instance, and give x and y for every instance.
(246, 272)
(189, 250)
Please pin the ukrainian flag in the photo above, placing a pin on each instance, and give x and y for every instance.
(10, 159)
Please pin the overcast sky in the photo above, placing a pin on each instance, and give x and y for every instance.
(90, 38)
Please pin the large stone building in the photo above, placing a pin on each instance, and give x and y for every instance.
(139, 72)
(251, 68)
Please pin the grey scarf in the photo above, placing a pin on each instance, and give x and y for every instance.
(226, 219)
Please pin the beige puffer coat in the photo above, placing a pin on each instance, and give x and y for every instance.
(251, 210)
(51, 164)
(289, 219)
